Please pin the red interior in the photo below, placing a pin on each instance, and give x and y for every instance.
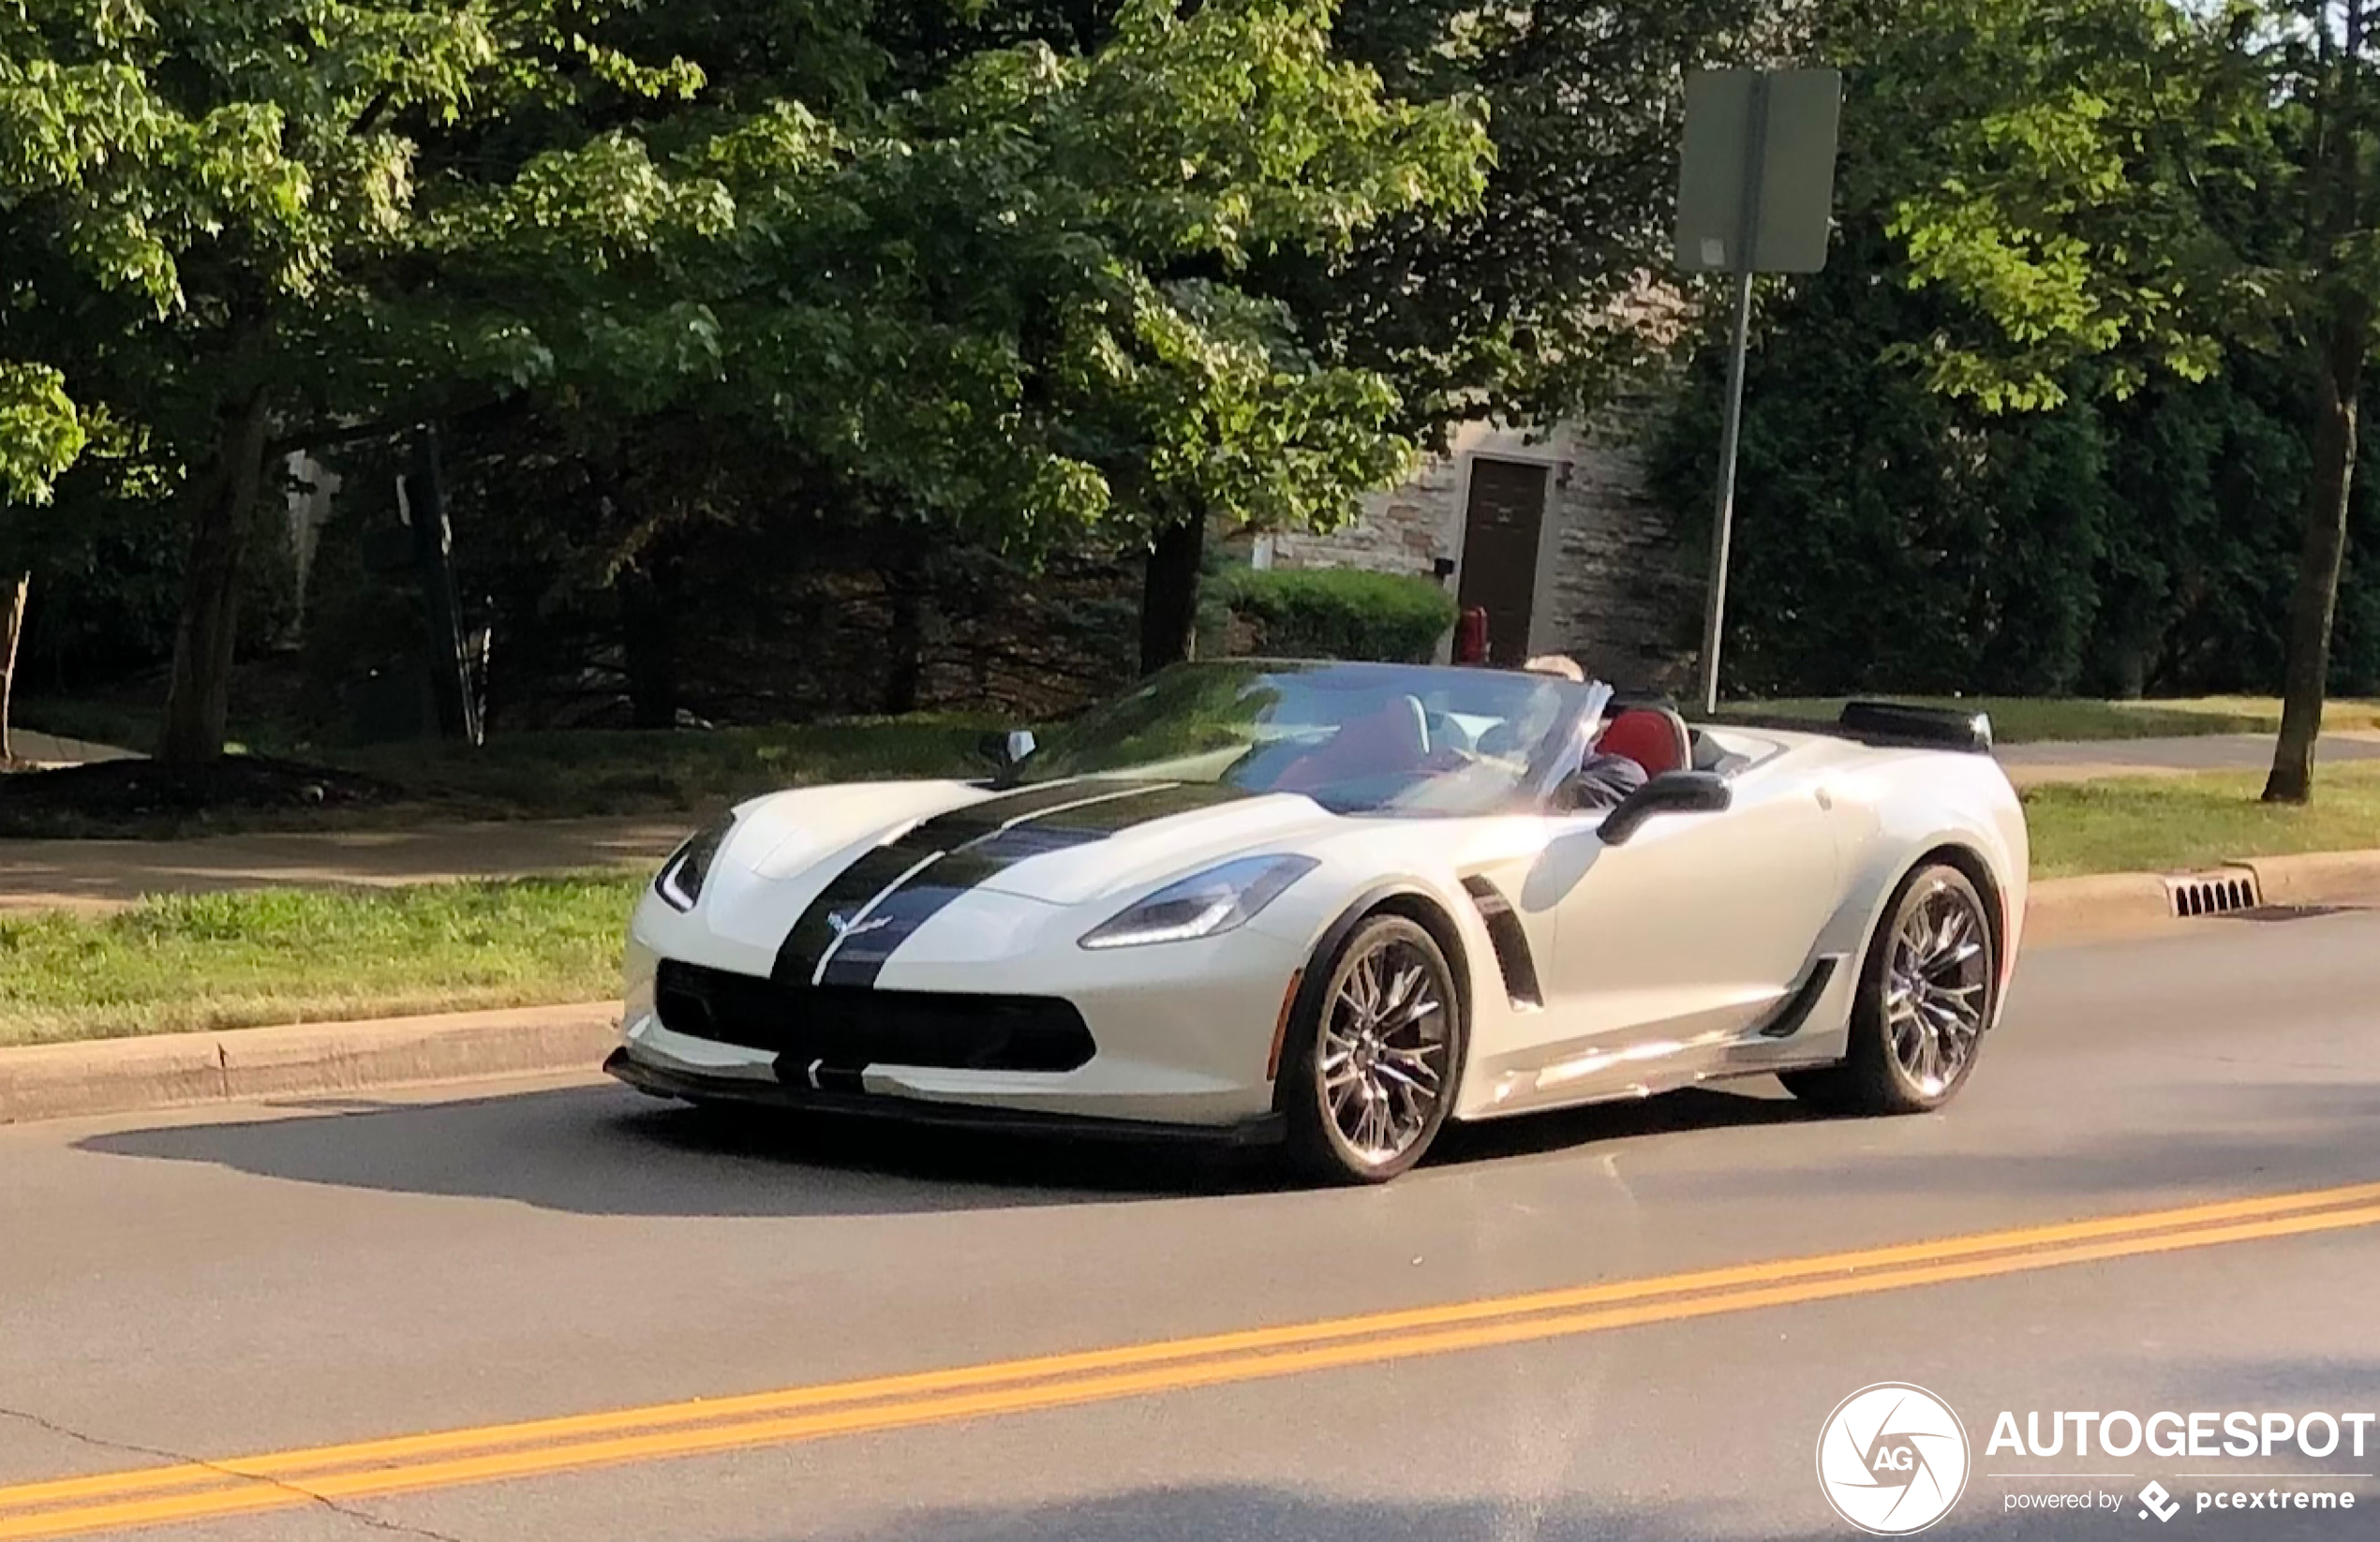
(1651, 738)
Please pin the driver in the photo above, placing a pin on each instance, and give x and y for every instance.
(1602, 780)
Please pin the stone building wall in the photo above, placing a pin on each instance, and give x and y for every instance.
(1613, 588)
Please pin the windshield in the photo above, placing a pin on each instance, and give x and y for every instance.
(1358, 738)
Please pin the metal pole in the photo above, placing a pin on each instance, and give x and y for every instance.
(1732, 425)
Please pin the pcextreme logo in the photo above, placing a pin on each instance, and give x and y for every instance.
(1892, 1459)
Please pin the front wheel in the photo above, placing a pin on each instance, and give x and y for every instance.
(1925, 998)
(1369, 1075)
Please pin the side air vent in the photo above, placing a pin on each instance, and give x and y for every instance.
(1511, 942)
(1792, 1012)
(2213, 894)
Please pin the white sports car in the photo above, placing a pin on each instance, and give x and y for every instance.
(1339, 904)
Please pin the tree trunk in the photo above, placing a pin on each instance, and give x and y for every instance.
(904, 666)
(11, 627)
(648, 639)
(198, 700)
(2315, 599)
(1169, 594)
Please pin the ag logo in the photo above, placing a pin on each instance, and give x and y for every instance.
(1892, 1459)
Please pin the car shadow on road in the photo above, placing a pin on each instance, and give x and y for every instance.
(1201, 1513)
(1752, 1101)
(2251, 1134)
(604, 1150)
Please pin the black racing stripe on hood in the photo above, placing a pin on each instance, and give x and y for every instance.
(897, 918)
(967, 865)
(878, 867)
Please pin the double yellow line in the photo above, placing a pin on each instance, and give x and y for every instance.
(277, 1480)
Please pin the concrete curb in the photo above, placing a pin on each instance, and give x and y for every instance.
(2315, 878)
(2102, 905)
(169, 1070)
(2069, 910)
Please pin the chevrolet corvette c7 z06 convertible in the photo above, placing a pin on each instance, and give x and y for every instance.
(1338, 904)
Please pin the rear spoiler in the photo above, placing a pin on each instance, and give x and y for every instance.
(1889, 725)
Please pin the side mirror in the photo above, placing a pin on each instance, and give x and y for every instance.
(1006, 749)
(1671, 793)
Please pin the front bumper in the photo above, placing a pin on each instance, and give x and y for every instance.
(1263, 1130)
(1181, 1032)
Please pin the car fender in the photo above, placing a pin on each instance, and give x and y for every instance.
(1922, 803)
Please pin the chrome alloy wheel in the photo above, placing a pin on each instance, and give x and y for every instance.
(1936, 987)
(1382, 1054)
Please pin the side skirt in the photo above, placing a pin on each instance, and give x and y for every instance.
(1773, 1044)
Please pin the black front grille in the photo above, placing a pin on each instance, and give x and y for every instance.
(850, 1027)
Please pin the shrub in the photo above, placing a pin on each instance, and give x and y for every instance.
(1340, 613)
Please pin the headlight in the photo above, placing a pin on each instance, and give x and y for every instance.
(1212, 901)
(680, 880)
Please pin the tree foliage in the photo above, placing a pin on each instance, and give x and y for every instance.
(2124, 185)
(1892, 537)
(983, 267)
(1533, 304)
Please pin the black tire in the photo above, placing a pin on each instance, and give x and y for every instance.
(1318, 1147)
(1877, 1076)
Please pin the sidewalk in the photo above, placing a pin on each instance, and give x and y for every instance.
(100, 874)
(2082, 760)
(50, 749)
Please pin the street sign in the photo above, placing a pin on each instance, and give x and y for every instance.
(1779, 124)
(1755, 190)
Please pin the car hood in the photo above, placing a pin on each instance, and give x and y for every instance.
(1061, 844)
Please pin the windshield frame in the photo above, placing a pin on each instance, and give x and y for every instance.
(1551, 758)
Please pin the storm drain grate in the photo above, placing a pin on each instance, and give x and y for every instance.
(2212, 894)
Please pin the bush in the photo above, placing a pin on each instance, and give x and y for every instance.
(1340, 613)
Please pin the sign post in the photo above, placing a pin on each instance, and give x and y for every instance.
(1755, 190)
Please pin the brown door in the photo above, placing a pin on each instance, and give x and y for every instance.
(1499, 551)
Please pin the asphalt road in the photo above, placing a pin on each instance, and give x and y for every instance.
(270, 1280)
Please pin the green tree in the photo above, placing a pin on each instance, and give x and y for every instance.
(2130, 185)
(207, 202)
(1012, 303)
(982, 271)
(1534, 302)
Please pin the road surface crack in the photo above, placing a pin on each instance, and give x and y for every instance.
(158, 1453)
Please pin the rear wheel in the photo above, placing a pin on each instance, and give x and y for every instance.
(1925, 998)
(1368, 1076)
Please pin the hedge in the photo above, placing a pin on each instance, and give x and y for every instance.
(1340, 613)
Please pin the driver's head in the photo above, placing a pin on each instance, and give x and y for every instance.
(1556, 663)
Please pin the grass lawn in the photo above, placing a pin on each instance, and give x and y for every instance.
(188, 962)
(2019, 720)
(2161, 823)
